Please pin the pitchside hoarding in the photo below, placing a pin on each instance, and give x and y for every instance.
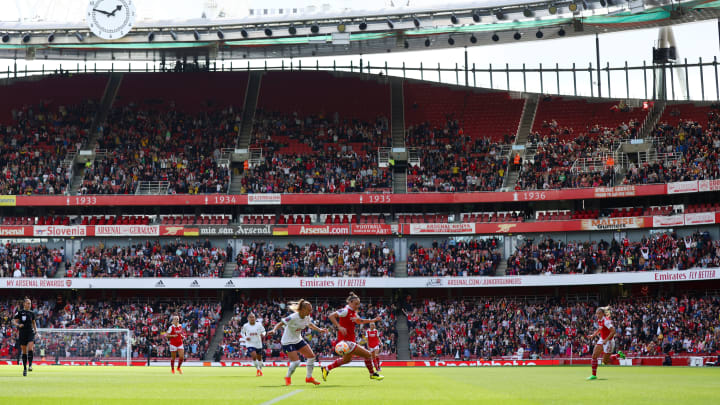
(368, 282)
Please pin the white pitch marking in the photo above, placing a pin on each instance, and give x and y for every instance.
(281, 397)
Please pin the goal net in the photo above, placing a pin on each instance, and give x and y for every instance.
(97, 345)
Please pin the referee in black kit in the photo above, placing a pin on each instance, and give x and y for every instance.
(24, 320)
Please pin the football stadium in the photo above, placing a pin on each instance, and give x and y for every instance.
(260, 202)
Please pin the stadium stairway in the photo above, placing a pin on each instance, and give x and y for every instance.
(400, 269)
(109, 95)
(77, 179)
(400, 181)
(229, 269)
(652, 119)
(61, 271)
(111, 91)
(403, 337)
(646, 129)
(528, 119)
(235, 184)
(502, 266)
(398, 112)
(526, 123)
(397, 129)
(249, 106)
(219, 332)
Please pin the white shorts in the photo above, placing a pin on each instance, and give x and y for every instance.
(608, 347)
(352, 345)
(372, 349)
(176, 348)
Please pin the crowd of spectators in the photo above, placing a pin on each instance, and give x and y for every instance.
(451, 257)
(34, 145)
(44, 311)
(269, 313)
(30, 260)
(148, 321)
(484, 328)
(451, 161)
(551, 167)
(146, 144)
(149, 259)
(350, 259)
(317, 154)
(691, 151)
(687, 151)
(666, 251)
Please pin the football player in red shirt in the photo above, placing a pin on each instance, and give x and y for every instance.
(175, 336)
(345, 320)
(372, 339)
(606, 345)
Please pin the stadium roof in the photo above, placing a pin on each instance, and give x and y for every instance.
(339, 31)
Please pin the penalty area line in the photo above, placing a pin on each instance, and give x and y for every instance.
(281, 397)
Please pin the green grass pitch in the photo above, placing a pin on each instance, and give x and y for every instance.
(491, 385)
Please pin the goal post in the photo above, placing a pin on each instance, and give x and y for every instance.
(85, 344)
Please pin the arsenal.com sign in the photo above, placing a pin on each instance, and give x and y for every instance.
(318, 229)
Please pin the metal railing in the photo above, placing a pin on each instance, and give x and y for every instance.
(592, 164)
(413, 157)
(505, 150)
(383, 157)
(573, 80)
(256, 157)
(223, 162)
(667, 159)
(68, 160)
(152, 187)
(101, 153)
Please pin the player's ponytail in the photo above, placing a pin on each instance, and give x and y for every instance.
(295, 306)
(352, 297)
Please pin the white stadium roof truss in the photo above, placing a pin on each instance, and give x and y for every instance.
(329, 32)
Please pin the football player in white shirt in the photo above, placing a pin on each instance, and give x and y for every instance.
(252, 332)
(293, 342)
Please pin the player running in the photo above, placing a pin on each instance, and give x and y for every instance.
(24, 320)
(253, 332)
(606, 344)
(372, 341)
(293, 342)
(176, 334)
(345, 320)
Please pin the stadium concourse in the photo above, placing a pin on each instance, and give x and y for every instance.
(481, 226)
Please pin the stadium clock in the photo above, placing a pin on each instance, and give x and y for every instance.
(110, 19)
